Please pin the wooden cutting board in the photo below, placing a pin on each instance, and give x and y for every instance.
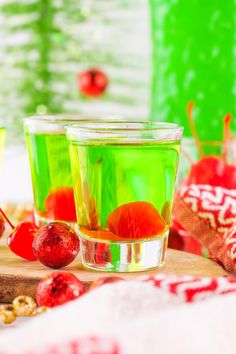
(19, 277)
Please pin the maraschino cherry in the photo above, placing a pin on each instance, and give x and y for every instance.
(136, 220)
(21, 238)
(212, 170)
(58, 288)
(56, 245)
(60, 205)
(93, 82)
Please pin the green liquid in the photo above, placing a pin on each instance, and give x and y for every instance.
(50, 166)
(107, 176)
(194, 58)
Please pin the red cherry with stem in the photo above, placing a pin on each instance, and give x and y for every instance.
(21, 238)
(56, 245)
(212, 170)
(60, 205)
(58, 288)
(93, 82)
(136, 220)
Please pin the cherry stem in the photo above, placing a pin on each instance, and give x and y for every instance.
(226, 135)
(6, 218)
(190, 108)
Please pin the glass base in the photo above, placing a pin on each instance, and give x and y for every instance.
(136, 256)
(41, 221)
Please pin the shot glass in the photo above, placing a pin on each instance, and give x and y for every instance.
(48, 153)
(123, 176)
(50, 168)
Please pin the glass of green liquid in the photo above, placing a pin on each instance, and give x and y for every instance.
(50, 168)
(123, 176)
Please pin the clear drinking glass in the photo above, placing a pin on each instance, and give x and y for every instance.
(50, 167)
(123, 176)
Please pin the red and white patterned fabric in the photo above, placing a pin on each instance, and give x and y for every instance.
(79, 345)
(209, 214)
(154, 314)
(190, 289)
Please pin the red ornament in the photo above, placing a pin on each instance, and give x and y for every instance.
(60, 205)
(56, 245)
(21, 238)
(136, 220)
(2, 226)
(104, 281)
(58, 288)
(92, 83)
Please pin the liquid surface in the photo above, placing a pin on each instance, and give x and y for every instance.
(110, 176)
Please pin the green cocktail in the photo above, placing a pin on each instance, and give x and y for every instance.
(50, 168)
(124, 175)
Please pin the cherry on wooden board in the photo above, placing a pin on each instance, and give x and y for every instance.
(21, 238)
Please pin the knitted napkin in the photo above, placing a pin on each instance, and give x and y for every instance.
(209, 214)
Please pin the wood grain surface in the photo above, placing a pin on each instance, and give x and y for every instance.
(18, 276)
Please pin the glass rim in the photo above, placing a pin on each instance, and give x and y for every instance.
(55, 123)
(207, 143)
(126, 131)
(109, 126)
(64, 118)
